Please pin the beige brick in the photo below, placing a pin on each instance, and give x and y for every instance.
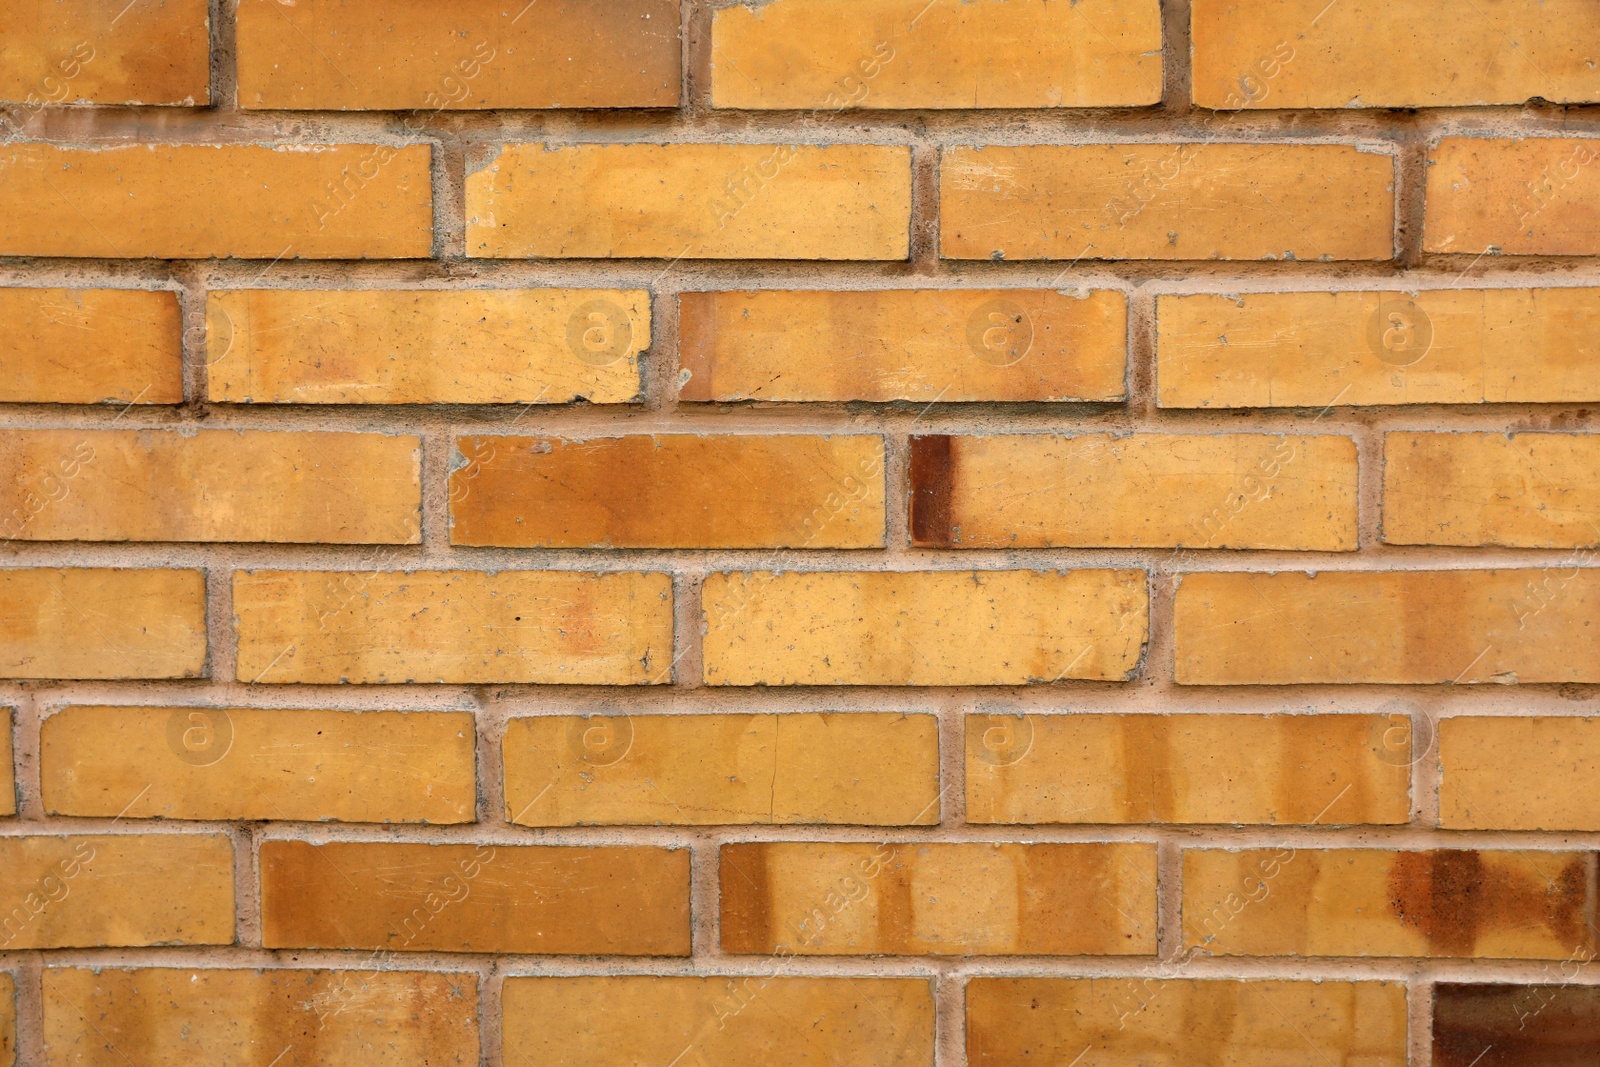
(927, 345)
(86, 51)
(1377, 902)
(669, 491)
(8, 781)
(969, 899)
(421, 346)
(102, 623)
(91, 890)
(696, 201)
(1522, 773)
(706, 770)
(1530, 197)
(1442, 346)
(837, 54)
(1389, 627)
(212, 485)
(777, 1022)
(349, 201)
(922, 627)
(397, 897)
(90, 346)
(259, 763)
(1243, 769)
(391, 54)
(1166, 201)
(173, 1017)
(1120, 490)
(557, 627)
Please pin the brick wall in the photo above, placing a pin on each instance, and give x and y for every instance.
(834, 531)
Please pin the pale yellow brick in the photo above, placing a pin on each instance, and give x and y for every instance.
(102, 623)
(1519, 773)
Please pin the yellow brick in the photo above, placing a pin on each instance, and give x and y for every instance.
(211, 201)
(1389, 627)
(212, 485)
(416, 346)
(124, 345)
(1535, 773)
(259, 763)
(1119, 490)
(1264, 769)
(174, 1017)
(1377, 902)
(86, 51)
(706, 770)
(697, 201)
(1166, 201)
(922, 628)
(93, 890)
(8, 1021)
(102, 623)
(8, 782)
(976, 899)
(777, 1022)
(1444, 346)
(838, 54)
(392, 54)
(1518, 197)
(558, 627)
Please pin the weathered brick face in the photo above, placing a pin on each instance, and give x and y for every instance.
(1010, 533)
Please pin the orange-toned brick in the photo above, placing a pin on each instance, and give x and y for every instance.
(669, 491)
(929, 345)
(425, 346)
(695, 201)
(1538, 196)
(397, 897)
(92, 890)
(1519, 773)
(1262, 769)
(1391, 627)
(564, 627)
(259, 763)
(90, 346)
(85, 51)
(8, 1020)
(8, 781)
(971, 898)
(102, 623)
(1166, 201)
(836, 54)
(804, 767)
(213, 485)
(1116, 490)
(169, 1017)
(169, 201)
(922, 627)
(1377, 902)
(392, 54)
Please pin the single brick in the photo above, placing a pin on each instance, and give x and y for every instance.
(706, 770)
(922, 627)
(1138, 201)
(925, 345)
(90, 346)
(424, 346)
(695, 201)
(213, 485)
(102, 623)
(1526, 490)
(1442, 346)
(1378, 902)
(8, 781)
(348, 201)
(837, 54)
(1133, 490)
(173, 1017)
(1532, 197)
(669, 491)
(555, 627)
(1241, 769)
(8, 1020)
(1522, 773)
(736, 1019)
(325, 55)
(259, 763)
(125, 890)
(1150, 1019)
(542, 899)
(977, 899)
(86, 51)
(1484, 1025)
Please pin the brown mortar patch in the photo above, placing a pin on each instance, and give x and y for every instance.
(932, 487)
